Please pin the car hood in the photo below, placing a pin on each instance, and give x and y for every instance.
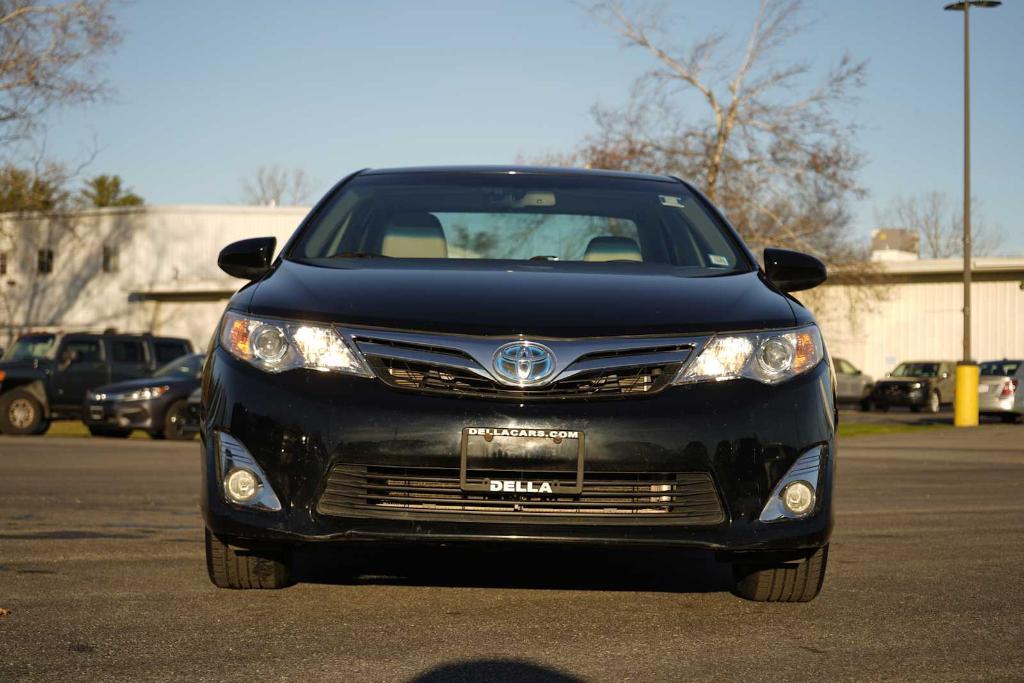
(185, 384)
(552, 300)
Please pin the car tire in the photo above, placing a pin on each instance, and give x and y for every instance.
(21, 414)
(174, 422)
(915, 409)
(934, 402)
(240, 569)
(882, 407)
(788, 582)
(865, 406)
(110, 432)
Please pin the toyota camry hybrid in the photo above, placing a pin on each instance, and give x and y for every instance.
(519, 355)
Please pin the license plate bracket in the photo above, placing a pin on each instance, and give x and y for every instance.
(561, 438)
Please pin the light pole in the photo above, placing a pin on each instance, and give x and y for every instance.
(966, 405)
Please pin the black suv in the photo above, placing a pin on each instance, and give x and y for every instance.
(45, 376)
(510, 355)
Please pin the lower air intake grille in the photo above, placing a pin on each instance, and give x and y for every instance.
(608, 497)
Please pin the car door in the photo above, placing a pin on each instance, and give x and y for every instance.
(81, 365)
(844, 380)
(947, 382)
(127, 358)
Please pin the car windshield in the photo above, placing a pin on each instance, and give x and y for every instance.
(521, 217)
(1005, 368)
(916, 370)
(186, 366)
(32, 346)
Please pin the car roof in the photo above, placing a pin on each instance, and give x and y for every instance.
(523, 170)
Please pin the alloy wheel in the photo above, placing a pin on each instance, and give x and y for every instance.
(21, 413)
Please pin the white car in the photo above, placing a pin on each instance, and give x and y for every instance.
(999, 389)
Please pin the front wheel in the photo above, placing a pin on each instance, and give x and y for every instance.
(21, 414)
(865, 406)
(785, 582)
(174, 421)
(239, 568)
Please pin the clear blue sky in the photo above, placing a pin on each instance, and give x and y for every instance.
(208, 91)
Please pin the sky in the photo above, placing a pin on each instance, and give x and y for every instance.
(207, 92)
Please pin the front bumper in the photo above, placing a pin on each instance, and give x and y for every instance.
(119, 414)
(299, 425)
(900, 395)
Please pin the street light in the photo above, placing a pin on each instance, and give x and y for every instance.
(966, 406)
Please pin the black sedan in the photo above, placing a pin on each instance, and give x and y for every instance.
(156, 403)
(509, 355)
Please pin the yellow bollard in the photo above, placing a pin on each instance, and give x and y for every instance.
(965, 405)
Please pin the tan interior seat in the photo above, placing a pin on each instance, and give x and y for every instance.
(414, 234)
(608, 248)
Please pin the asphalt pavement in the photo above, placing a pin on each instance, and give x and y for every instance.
(102, 575)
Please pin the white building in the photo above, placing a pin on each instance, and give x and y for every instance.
(135, 269)
(913, 310)
(155, 269)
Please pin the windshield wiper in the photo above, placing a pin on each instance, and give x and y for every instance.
(357, 254)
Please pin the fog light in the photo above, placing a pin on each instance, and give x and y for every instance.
(244, 481)
(798, 497)
(241, 486)
(796, 492)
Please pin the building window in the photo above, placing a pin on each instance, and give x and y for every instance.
(45, 261)
(3, 263)
(110, 259)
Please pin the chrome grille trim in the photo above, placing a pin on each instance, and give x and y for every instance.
(474, 354)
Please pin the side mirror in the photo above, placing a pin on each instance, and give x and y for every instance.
(792, 271)
(247, 259)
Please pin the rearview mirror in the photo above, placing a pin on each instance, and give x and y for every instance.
(248, 259)
(792, 271)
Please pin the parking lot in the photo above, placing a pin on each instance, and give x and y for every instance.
(102, 572)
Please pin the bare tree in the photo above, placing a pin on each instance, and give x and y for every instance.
(940, 226)
(276, 186)
(48, 57)
(766, 147)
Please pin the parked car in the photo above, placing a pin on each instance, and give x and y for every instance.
(45, 376)
(999, 390)
(157, 404)
(487, 354)
(918, 385)
(852, 385)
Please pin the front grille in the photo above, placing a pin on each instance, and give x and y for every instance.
(608, 497)
(430, 378)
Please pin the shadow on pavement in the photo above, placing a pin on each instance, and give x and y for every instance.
(494, 670)
(521, 566)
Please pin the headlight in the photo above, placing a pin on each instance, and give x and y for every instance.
(146, 394)
(138, 395)
(768, 357)
(279, 345)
